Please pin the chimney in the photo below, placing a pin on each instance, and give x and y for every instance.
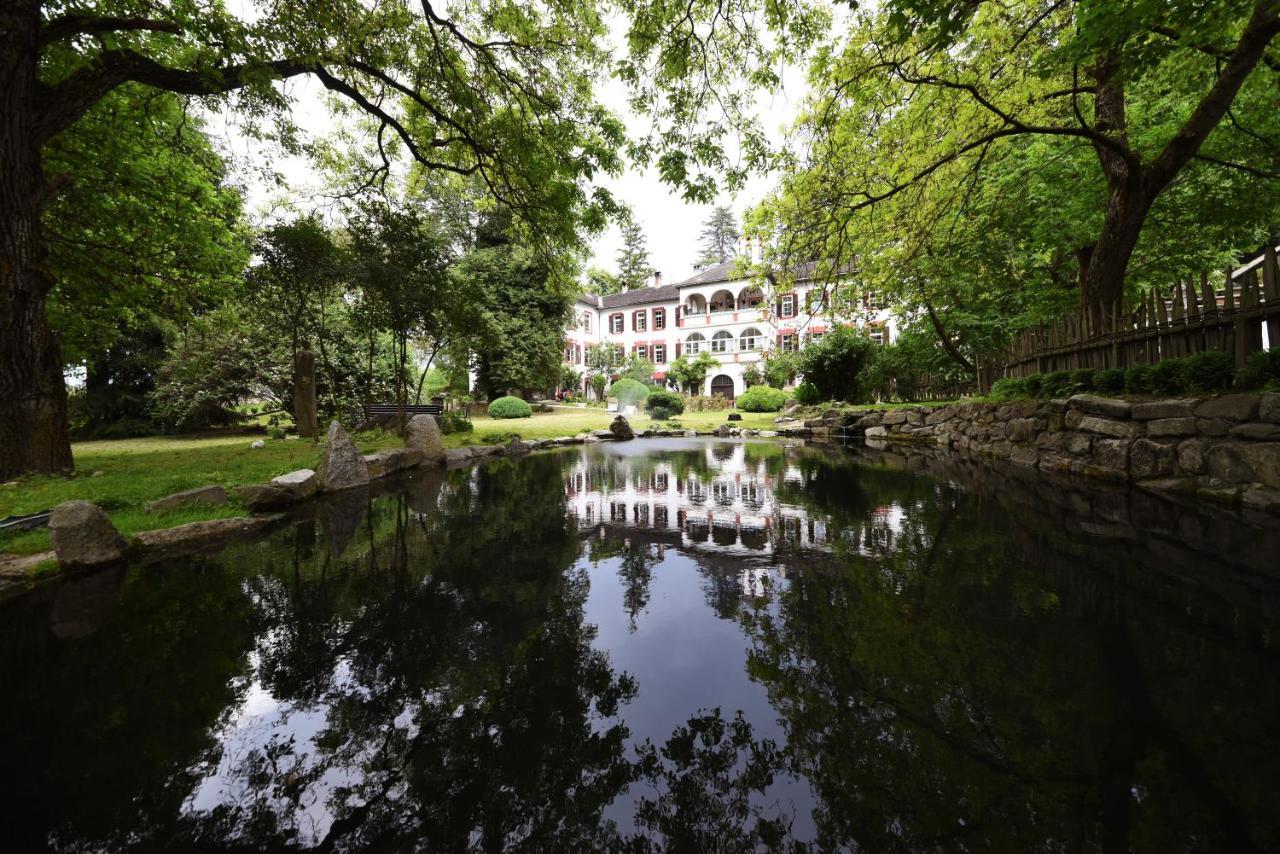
(657, 279)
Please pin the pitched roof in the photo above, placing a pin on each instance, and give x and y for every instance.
(635, 296)
(727, 271)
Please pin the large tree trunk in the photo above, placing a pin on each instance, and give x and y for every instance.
(33, 398)
(1103, 265)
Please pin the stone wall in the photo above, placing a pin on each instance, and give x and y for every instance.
(1224, 448)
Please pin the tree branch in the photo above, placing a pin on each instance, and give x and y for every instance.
(70, 25)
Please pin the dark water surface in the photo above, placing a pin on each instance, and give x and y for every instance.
(674, 644)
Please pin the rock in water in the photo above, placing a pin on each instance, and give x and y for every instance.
(423, 434)
(209, 496)
(83, 535)
(621, 428)
(342, 466)
(298, 484)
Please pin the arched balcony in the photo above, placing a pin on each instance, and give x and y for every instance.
(750, 297)
(723, 301)
(695, 304)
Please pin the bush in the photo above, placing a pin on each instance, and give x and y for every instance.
(1009, 388)
(275, 433)
(1211, 371)
(1137, 380)
(455, 422)
(1057, 384)
(659, 413)
(1082, 379)
(1034, 385)
(707, 403)
(629, 392)
(498, 437)
(762, 398)
(509, 407)
(836, 364)
(808, 394)
(1167, 377)
(665, 400)
(1109, 380)
(1262, 369)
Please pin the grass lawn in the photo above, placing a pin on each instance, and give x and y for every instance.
(567, 421)
(122, 475)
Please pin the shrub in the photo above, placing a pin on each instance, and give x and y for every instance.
(509, 407)
(659, 413)
(762, 398)
(629, 392)
(707, 403)
(1009, 388)
(1211, 371)
(455, 422)
(751, 375)
(1109, 380)
(1057, 384)
(498, 437)
(1262, 369)
(275, 433)
(665, 400)
(1137, 380)
(1167, 377)
(1082, 379)
(808, 394)
(1034, 385)
(836, 364)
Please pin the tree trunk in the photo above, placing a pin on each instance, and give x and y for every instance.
(33, 397)
(1104, 265)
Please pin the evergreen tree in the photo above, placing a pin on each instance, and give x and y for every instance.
(633, 260)
(719, 237)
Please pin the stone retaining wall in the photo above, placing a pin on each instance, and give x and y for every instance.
(1224, 448)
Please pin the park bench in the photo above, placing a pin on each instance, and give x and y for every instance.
(385, 413)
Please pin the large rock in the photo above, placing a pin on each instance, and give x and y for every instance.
(1107, 407)
(262, 496)
(83, 535)
(1111, 454)
(422, 434)
(300, 484)
(621, 428)
(1155, 409)
(1257, 431)
(342, 466)
(1191, 455)
(1148, 459)
(207, 496)
(1233, 407)
(457, 456)
(724, 431)
(1181, 426)
(207, 535)
(897, 416)
(878, 431)
(1107, 427)
(1246, 462)
(1269, 407)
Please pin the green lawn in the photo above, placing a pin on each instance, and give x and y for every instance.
(123, 475)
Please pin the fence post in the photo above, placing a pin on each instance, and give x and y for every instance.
(1271, 293)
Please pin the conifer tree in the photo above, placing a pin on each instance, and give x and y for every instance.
(633, 260)
(719, 237)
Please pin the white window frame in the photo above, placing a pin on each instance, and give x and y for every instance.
(617, 323)
(642, 350)
(640, 321)
(693, 344)
(788, 306)
(659, 354)
(788, 343)
(659, 319)
(720, 342)
(756, 340)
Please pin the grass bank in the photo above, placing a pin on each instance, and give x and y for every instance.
(567, 421)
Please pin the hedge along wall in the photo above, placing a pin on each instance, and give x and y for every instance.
(1224, 448)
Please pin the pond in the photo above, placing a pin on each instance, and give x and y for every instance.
(670, 644)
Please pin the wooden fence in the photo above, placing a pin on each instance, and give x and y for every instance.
(1194, 318)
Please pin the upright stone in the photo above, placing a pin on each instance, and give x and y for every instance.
(304, 392)
(422, 434)
(342, 466)
(83, 535)
(621, 429)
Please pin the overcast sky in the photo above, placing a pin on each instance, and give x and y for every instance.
(670, 224)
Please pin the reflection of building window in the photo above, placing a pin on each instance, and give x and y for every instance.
(641, 514)
(660, 516)
(591, 513)
(660, 482)
(617, 511)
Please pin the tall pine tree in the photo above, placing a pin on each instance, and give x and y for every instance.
(719, 237)
(633, 260)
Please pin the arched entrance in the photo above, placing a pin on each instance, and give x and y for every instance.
(722, 385)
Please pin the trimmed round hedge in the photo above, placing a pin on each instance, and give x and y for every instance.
(672, 404)
(762, 398)
(509, 407)
(628, 391)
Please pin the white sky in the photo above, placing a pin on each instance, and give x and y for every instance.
(670, 224)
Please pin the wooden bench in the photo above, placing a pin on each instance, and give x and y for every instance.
(384, 413)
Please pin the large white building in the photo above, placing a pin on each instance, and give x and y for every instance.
(714, 311)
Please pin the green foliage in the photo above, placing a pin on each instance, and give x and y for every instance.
(780, 368)
(807, 394)
(1137, 379)
(751, 375)
(570, 378)
(639, 369)
(629, 392)
(276, 432)
(669, 402)
(1009, 388)
(497, 437)
(1082, 379)
(452, 421)
(601, 282)
(634, 268)
(707, 403)
(1109, 381)
(1033, 385)
(762, 398)
(691, 374)
(509, 407)
(719, 237)
(659, 413)
(836, 363)
(1262, 370)
(1057, 384)
(1209, 371)
(598, 383)
(1167, 377)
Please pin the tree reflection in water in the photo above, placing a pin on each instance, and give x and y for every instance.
(947, 665)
